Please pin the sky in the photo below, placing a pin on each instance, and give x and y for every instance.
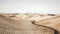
(30, 6)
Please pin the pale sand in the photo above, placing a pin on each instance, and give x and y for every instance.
(15, 22)
(10, 26)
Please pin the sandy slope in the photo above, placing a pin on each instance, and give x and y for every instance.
(21, 21)
(10, 26)
(51, 22)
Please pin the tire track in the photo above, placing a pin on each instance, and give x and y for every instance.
(55, 31)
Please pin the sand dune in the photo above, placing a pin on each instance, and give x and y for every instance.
(22, 24)
(51, 22)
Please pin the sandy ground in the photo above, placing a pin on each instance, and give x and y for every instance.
(21, 23)
(51, 22)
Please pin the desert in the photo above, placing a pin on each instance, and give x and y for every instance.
(29, 23)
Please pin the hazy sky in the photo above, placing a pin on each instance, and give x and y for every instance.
(30, 6)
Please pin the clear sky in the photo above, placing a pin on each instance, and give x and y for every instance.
(30, 6)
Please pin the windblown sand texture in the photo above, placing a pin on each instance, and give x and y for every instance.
(22, 23)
